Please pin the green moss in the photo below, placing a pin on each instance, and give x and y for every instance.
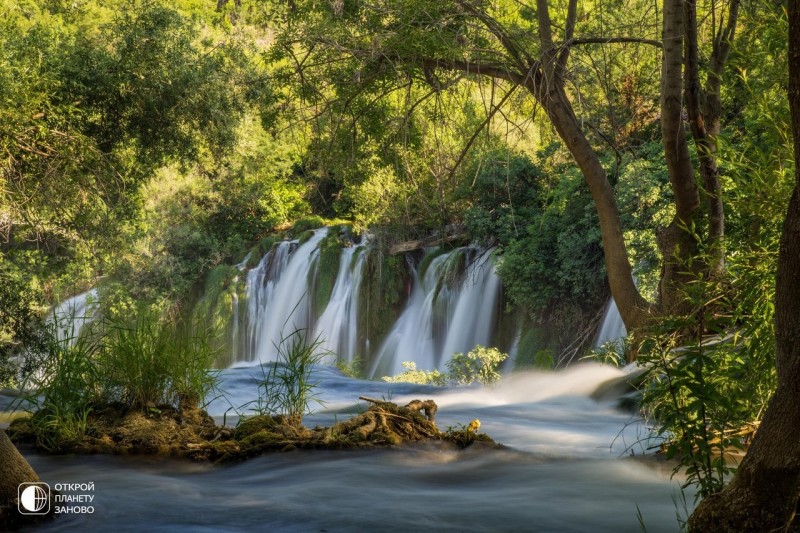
(428, 259)
(215, 308)
(260, 250)
(308, 223)
(464, 438)
(327, 268)
(383, 291)
(262, 438)
(356, 254)
(533, 350)
(254, 424)
(305, 236)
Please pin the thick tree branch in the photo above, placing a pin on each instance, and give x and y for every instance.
(517, 52)
(569, 31)
(611, 40)
(493, 70)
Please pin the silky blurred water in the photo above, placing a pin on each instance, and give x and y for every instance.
(567, 468)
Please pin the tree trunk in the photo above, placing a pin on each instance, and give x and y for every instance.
(764, 493)
(547, 86)
(14, 469)
(633, 308)
(676, 244)
(704, 109)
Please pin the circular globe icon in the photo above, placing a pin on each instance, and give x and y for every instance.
(33, 498)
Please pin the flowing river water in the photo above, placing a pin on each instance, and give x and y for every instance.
(573, 462)
(568, 467)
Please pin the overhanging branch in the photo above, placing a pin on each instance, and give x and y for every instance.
(611, 40)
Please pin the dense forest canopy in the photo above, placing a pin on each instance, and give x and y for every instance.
(630, 148)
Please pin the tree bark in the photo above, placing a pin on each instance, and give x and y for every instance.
(14, 469)
(704, 109)
(676, 244)
(764, 493)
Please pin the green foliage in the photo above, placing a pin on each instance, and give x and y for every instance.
(480, 364)
(557, 259)
(610, 353)
(92, 110)
(258, 251)
(287, 387)
(643, 194)
(307, 223)
(62, 388)
(703, 392)
(21, 327)
(155, 360)
(355, 369)
(419, 377)
(506, 195)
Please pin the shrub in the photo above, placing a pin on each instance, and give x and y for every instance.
(308, 223)
(479, 364)
(418, 377)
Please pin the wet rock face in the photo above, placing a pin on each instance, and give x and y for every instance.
(192, 434)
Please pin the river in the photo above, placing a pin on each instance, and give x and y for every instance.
(568, 467)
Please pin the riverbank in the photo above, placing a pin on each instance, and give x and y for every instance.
(192, 434)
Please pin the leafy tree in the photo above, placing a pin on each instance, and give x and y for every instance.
(444, 44)
(764, 493)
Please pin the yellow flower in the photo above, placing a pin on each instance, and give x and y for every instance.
(474, 426)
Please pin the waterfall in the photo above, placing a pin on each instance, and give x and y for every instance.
(448, 312)
(277, 296)
(449, 307)
(337, 327)
(612, 328)
(71, 315)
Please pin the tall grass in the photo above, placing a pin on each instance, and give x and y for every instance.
(287, 387)
(154, 361)
(150, 361)
(62, 388)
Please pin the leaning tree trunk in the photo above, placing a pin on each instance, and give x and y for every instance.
(764, 493)
(546, 84)
(14, 469)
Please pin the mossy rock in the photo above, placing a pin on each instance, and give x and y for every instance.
(252, 425)
(464, 438)
(263, 438)
(191, 433)
(305, 237)
(385, 284)
(326, 271)
(21, 430)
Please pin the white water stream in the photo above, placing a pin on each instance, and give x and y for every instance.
(612, 328)
(567, 469)
(71, 315)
